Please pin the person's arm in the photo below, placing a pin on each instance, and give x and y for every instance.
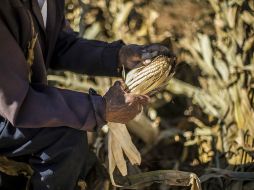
(85, 56)
(28, 105)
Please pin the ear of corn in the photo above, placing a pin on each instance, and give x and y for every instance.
(140, 81)
(145, 79)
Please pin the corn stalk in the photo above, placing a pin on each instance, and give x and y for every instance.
(226, 61)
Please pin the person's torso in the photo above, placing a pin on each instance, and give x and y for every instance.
(24, 20)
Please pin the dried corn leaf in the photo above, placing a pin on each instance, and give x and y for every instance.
(215, 5)
(231, 16)
(168, 177)
(251, 4)
(221, 173)
(222, 68)
(13, 168)
(248, 18)
(249, 43)
(206, 51)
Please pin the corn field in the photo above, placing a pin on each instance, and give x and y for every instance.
(200, 129)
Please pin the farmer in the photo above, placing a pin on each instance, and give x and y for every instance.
(47, 124)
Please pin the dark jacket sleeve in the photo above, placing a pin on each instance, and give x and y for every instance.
(38, 105)
(85, 56)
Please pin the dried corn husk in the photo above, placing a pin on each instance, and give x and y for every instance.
(143, 80)
(120, 142)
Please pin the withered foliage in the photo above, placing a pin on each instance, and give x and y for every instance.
(203, 123)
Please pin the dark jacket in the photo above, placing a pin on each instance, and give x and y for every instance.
(35, 104)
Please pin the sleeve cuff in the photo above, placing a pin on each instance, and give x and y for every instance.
(99, 108)
(110, 57)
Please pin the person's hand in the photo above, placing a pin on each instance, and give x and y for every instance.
(133, 56)
(121, 107)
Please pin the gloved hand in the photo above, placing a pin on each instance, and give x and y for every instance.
(121, 107)
(133, 56)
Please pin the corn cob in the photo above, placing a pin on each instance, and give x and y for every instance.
(144, 80)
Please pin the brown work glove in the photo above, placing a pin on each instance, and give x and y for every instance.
(121, 107)
(133, 56)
